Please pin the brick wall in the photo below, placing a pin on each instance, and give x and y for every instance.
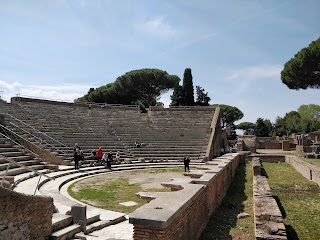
(268, 157)
(24, 216)
(269, 145)
(184, 214)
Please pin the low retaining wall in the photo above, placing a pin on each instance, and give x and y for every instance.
(24, 216)
(184, 214)
(268, 157)
(308, 170)
(268, 219)
(269, 145)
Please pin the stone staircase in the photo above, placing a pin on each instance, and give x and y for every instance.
(167, 134)
(63, 226)
(11, 151)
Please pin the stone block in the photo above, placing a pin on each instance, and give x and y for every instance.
(256, 165)
(79, 215)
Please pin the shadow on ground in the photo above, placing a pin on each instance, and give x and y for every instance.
(281, 208)
(291, 233)
(225, 217)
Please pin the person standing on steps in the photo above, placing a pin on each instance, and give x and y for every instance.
(186, 162)
(76, 156)
(89, 110)
(99, 154)
(109, 160)
(118, 157)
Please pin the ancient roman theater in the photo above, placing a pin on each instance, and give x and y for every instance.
(37, 144)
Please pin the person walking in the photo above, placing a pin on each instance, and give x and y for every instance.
(186, 162)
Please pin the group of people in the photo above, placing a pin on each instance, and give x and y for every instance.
(107, 158)
(96, 154)
(104, 158)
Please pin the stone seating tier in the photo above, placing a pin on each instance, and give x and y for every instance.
(70, 124)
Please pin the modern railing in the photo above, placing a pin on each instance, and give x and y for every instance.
(26, 144)
(41, 136)
(12, 162)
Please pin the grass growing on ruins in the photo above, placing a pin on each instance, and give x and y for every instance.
(224, 223)
(110, 194)
(298, 199)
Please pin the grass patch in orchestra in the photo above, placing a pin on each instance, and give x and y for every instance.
(109, 194)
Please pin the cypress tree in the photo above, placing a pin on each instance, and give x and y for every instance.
(187, 87)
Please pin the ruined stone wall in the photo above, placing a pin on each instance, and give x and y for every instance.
(248, 143)
(269, 157)
(251, 143)
(269, 145)
(184, 214)
(24, 216)
(309, 171)
(268, 219)
(17, 100)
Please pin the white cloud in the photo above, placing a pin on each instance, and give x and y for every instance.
(60, 93)
(158, 27)
(256, 72)
(242, 78)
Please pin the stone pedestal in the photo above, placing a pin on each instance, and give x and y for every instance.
(79, 215)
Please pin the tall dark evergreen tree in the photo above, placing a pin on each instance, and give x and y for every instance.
(187, 87)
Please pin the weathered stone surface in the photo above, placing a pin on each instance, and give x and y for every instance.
(24, 216)
(256, 165)
(268, 217)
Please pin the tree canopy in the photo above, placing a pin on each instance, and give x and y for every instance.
(177, 97)
(142, 86)
(202, 97)
(247, 127)
(230, 114)
(303, 71)
(262, 128)
(310, 117)
(306, 120)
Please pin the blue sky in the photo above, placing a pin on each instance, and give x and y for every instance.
(235, 49)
